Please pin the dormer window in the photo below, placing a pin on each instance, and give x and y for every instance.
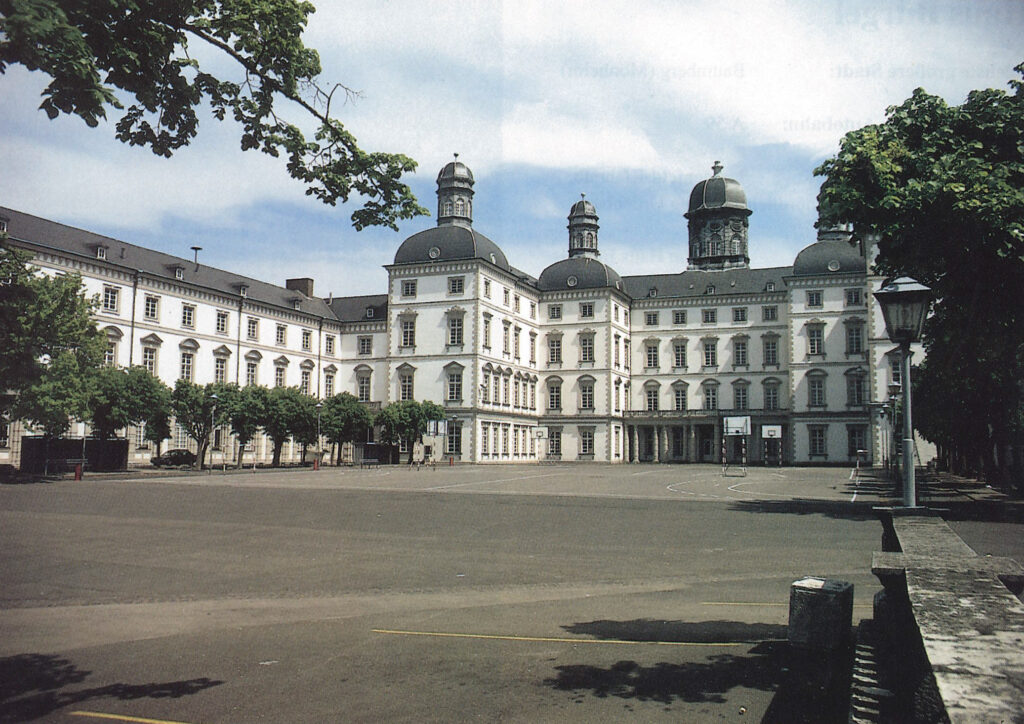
(710, 289)
(369, 312)
(101, 252)
(295, 302)
(243, 290)
(769, 287)
(3, 225)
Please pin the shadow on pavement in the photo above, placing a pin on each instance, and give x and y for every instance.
(810, 506)
(643, 629)
(32, 686)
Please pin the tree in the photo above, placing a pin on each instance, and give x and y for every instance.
(406, 420)
(60, 392)
(98, 54)
(45, 326)
(344, 419)
(940, 186)
(283, 416)
(196, 410)
(124, 397)
(245, 408)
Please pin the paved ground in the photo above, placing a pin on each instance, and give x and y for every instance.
(525, 593)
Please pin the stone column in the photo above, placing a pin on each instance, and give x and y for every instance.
(634, 455)
(691, 443)
(657, 442)
(666, 444)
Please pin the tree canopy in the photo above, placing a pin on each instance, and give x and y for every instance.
(406, 420)
(942, 187)
(137, 58)
(123, 397)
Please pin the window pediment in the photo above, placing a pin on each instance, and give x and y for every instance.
(307, 364)
(113, 333)
(152, 340)
(189, 344)
(222, 351)
(282, 361)
(253, 356)
(330, 369)
(454, 367)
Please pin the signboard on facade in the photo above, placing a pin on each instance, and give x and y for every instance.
(771, 432)
(736, 425)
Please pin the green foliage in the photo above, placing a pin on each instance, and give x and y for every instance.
(245, 409)
(44, 319)
(344, 419)
(406, 420)
(60, 392)
(99, 53)
(123, 397)
(943, 188)
(196, 410)
(285, 414)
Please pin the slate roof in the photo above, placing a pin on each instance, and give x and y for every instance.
(22, 227)
(353, 309)
(589, 273)
(452, 241)
(694, 283)
(829, 257)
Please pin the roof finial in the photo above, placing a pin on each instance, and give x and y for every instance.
(456, 157)
(583, 195)
(717, 168)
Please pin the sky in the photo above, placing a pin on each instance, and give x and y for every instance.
(629, 102)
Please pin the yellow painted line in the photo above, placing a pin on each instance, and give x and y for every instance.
(122, 717)
(757, 603)
(548, 639)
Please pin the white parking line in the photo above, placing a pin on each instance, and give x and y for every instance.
(487, 482)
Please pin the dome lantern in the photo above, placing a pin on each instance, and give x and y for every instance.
(583, 229)
(717, 222)
(455, 194)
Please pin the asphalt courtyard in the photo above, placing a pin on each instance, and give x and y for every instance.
(467, 593)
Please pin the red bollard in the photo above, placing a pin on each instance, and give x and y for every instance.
(451, 461)
(316, 464)
(78, 471)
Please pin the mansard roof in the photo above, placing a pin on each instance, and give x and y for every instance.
(353, 309)
(695, 283)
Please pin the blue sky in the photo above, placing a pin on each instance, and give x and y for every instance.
(628, 102)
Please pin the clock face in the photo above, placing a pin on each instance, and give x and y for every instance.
(434, 252)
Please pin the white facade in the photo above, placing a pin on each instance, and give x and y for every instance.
(578, 364)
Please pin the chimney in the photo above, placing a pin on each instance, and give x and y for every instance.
(303, 286)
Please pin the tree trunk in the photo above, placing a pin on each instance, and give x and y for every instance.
(278, 446)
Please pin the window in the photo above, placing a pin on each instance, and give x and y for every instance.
(363, 387)
(281, 334)
(304, 382)
(652, 355)
(710, 353)
(587, 349)
(771, 351)
(253, 328)
(515, 302)
(625, 354)
(741, 397)
(188, 316)
(506, 339)
(279, 376)
(408, 333)
(185, 371)
(111, 299)
(769, 313)
(771, 396)
(679, 316)
(533, 310)
(853, 298)
(369, 312)
(739, 353)
(533, 395)
(149, 359)
(816, 442)
(110, 354)
(769, 287)
(408, 287)
(179, 272)
(856, 439)
(554, 442)
(307, 340)
(710, 397)
(220, 370)
(554, 350)
(101, 252)
(554, 311)
(679, 355)
(586, 310)
(554, 395)
(405, 386)
(504, 390)
(5, 433)
(487, 333)
(485, 430)
(679, 395)
(328, 384)
(586, 441)
(456, 285)
(651, 395)
(454, 386)
(487, 288)
(151, 308)
(815, 340)
(453, 445)
(651, 319)
(365, 345)
(856, 389)
(222, 322)
(485, 388)
(516, 334)
(854, 339)
(615, 307)
(895, 370)
(709, 316)
(816, 391)
(505, 296)
(814, 298)
(251, 373)
(739, 314)
(533, 348)
(586, 395)
(329, 344)
(455, 331)
(616, 356)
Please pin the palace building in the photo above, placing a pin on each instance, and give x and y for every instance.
(578, 364)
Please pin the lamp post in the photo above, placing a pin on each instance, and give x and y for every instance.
(894, 395)
(316, 462)
(904, 304)
(213, 422)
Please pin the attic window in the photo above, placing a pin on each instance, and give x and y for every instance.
(179, 272)
(769, 287)
(710, 289)
(295, 302)
(3, 225)
(101, 252)
(243, 290)
(369, 312)
(653, 292)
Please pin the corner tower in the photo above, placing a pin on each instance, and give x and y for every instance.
(455, 194)
(718, 224)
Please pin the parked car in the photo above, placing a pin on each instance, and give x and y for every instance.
(173, 458)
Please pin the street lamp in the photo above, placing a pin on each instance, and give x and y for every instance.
(894, 396)
(319, 406)
(213, 422)
(904, 304)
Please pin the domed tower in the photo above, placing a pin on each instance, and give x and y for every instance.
(455, 194)
(583, 229)
(718, 224)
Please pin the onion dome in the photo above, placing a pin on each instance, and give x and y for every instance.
(717, 192)
(829, 257)
(717, 224)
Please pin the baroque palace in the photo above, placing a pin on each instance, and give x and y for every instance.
(579, 364)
